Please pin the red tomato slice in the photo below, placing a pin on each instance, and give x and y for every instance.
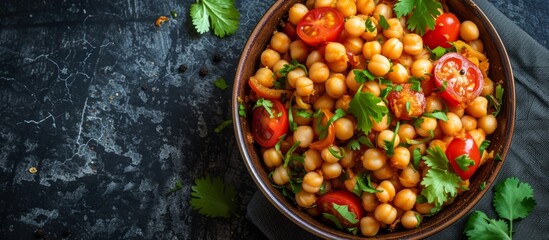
(325, 204)
(446, 30)
(463, 80)
(266, 130)
(459, 147)
(320, 25)
(330, 136)
(406, 103)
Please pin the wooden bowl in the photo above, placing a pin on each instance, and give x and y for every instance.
(500, 70)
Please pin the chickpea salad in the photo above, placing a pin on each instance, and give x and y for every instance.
(372, 115)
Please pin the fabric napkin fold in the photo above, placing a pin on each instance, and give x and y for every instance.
(527, 159)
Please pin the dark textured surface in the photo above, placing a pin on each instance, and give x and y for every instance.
(91, 95)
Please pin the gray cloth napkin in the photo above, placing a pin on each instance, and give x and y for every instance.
(527, 160)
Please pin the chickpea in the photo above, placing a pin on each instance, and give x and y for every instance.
(386, 191)
(379, 65)
(478, 107)
(338, 66)
(452, 126)
(272, 158)
(281, 175)
(351, 82)
(468, 122)
(312, 182)
(371, 29)
(296, 13)
(381, 125)
(413, 43)
(299, 50)
(399, 74)
(348, 160)
(478, 135)
(400, 158)
(383, 9)
(305, 199)
(265, 77)
(433, 103)
(355, 26)
(344, 128)
(406, 60)
(409, 177)
(458, 110)
(325, 3)
(335, 87)
(410, 219)
(385, 172)
(387, 136)
(354, 45)
(324, 102)
(468, 31)
(395, 29)
(488, 123)
(293, 75)
(369, 49)
(327, 156)
(371, 87)
(421, 67)
(365, 6)
(392, 48)
(319, 72)
(335, 52)
(331, 170)
(269, 58)
(278, 66)
(300, 120)
(438, 143)
(312, 160)
(488, 88)
(304, 86)
(313, 57)
(343, 102)
(424, 54)
(424, 208)
(405, 199)
(280, 42)
(477, 45)
(346, 7)
(369, 226)
(426, 127)
(406, 132)
(369, 201)
(373, 159)
(385, 213)
(304, 135)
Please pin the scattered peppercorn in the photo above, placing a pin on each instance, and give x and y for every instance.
(217, 58)
(144, 88)
(182, 68)
(203, 72)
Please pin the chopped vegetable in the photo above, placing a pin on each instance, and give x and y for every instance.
(223, 15)
(211, 197)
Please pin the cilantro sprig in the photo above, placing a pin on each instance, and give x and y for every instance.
(512, 200)
(211, 197)
(422, 13)
(221, 15)
(367, 108)
(440, 183)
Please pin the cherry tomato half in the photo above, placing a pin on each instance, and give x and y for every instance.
(325, 204)
(406, 103)
(463, 146)
(461, 79)
(446, 30)
(267, 130)
(320, 25)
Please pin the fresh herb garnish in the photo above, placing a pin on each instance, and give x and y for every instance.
(362, 76)
(339, 154)
(423, 13)
(370, 26)
(178, 186)
(223, 125)
(339, 113)
(464, 162)
(512, 200)
(344, 211)
(221, 83)
(223, 15)
(241, 110)
(364, 184)
(497, 100)
(483, 146)
(440, 183)
(211, 197)
(367, 108)
(390, 146)
(267, 104)
(440, 115)
(383, 22)
(288, 155)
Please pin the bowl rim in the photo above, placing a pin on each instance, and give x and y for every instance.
(315, 227)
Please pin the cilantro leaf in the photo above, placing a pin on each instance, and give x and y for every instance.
(440, 184)
(223, 125)
(267, 104)
(483, 146)
(212, 198)
(241, 110)
(423, 13)
(479, 226)
(370, 26)
(221, 83)
(364, 184)
(344, 211)
(362, 76)
(223, 15)
(383, 22)
(333, 219)
(513, 199)
(364, 106)
(464, 162)
(497, 100)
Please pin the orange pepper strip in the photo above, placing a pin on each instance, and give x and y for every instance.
(161, 20)
(330, 137)
(266, 92)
